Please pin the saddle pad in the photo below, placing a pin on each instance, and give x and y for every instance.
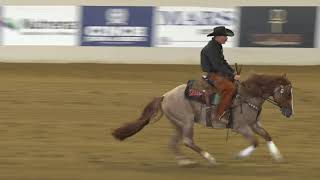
(196, 88)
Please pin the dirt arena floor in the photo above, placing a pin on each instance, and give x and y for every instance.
(56, 119)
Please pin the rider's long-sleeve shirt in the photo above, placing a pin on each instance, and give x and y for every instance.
(212, 60)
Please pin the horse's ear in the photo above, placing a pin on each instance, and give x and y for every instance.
(284, 75)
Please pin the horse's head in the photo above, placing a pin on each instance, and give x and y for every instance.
(283, 96)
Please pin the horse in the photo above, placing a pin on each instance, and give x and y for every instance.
(246, 108)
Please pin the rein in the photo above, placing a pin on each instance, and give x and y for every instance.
(254, 106)
(272, 102)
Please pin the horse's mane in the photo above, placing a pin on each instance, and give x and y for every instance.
(259, 84)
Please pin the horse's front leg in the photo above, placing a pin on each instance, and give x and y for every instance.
(274, 151)
(247, 133)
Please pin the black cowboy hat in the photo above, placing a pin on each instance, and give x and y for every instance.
(221, 31)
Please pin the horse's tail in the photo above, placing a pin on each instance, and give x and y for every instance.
(131, 128)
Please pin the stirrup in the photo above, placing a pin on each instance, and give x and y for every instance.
(222, 119)
(205, 77)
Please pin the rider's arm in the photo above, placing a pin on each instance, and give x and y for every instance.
(229, 67)
(205, 63)
(217, 63)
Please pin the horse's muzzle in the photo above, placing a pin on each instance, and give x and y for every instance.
(287, 112)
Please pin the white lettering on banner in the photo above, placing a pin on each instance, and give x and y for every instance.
(208, 18)
(117, 16)
(189, 26)
(104, 38)
(115, 31)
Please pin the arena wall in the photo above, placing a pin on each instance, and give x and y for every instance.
(159, 55)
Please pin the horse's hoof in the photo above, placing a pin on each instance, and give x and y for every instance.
(187, 163)
(278, 159)
(239, 157)
(212, 161)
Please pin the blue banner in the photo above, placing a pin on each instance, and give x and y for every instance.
(1, 25)
(116, 26)
(317, 39)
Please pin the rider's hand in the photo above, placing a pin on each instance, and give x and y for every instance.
(237, 77)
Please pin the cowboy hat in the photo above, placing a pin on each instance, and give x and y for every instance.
(221, 31)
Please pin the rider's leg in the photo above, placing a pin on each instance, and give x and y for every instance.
(227, 93)
(227, 90)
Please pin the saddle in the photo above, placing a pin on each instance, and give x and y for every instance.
(204, 92)
(201, 90)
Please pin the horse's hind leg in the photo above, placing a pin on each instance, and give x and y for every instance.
(275, 153)
(187, 135)
(175, 142)
(249, 135)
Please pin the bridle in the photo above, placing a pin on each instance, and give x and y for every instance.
(281, 89)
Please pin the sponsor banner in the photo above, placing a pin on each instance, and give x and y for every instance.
(189, 26)
(277, 26)
(40, 25)
(317, 39)
(116, 26)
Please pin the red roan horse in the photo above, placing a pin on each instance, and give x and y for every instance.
(246, 108)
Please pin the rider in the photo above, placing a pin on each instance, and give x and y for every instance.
(222, 74)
